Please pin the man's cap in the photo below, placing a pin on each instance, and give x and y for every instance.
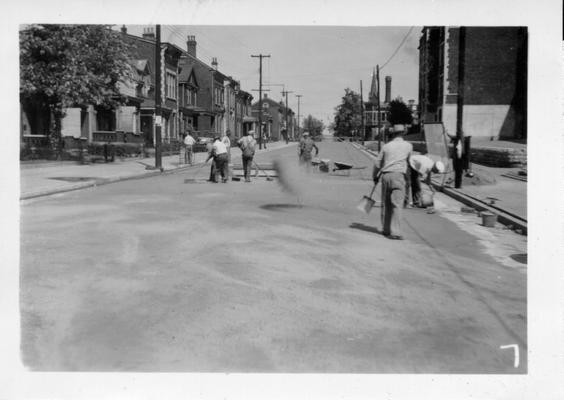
(440, 167)
(306, 133)
(251, 132)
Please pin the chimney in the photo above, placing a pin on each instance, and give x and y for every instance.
(214, 63)
(148, 33)
(388, 89)
(123, 29)
(265, 95)
(191, 45)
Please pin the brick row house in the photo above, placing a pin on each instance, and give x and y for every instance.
(495, 80)
(194, 95)
(274, 115)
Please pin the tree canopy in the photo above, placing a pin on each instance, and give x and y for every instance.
(348, 115)
(313, 125)
(399, 113)
(63, 66)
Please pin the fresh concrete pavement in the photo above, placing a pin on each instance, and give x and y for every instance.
(162, 275)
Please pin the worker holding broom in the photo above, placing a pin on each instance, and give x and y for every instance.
(391, 168)
(247, 144)
(219, 154)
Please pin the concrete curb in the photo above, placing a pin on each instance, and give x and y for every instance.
(503, 216)
(102, 181)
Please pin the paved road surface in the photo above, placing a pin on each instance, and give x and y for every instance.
(162, 275)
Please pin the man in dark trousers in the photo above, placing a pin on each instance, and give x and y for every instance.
(247, 144)
(219, 154)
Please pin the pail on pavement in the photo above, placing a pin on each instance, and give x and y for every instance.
(489, 219)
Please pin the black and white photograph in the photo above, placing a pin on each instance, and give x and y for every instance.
(254, 203)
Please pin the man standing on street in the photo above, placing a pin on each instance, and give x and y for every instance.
(247, 144)
(391, 166)
(420, 168)
(226, 140)
(188, 148)
(306, 147)
(219, 154)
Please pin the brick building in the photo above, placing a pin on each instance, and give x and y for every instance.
(494, 76)
(274, 118)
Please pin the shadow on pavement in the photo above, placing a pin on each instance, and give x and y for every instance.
(522, 258)
(366, 228)
(277, 207)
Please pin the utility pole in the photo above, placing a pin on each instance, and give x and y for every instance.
(362, 113)
(285, 94)
(158, 121)
(298, 96)
(458, 161)
(260, 57)
(378, 108)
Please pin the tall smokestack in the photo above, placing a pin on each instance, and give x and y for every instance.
(388, 89)
(191, 45)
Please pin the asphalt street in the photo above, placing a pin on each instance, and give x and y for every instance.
(161, 275)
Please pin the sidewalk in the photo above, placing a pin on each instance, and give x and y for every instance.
(47, 178)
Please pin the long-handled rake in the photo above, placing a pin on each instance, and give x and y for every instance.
(268, 178)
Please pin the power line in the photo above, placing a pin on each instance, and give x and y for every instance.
(206, 51)
(398, 48)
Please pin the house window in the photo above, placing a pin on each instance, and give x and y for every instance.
(105, 120)
(171, 86)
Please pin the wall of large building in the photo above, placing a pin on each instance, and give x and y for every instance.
(495, 81)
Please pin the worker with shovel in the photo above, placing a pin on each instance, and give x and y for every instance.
(391, 168)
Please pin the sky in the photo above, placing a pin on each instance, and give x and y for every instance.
(317, 62)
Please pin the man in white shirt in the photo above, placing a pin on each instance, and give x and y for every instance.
(421, 167)
(226, 140)
(391, 167)
(247, 144)
(219, 154)
(188, 148)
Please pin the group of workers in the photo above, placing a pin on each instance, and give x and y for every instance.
(401, 172)
(219, 151)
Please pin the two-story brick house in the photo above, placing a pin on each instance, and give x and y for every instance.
(143, 50)
(244, 119)
(273, 117)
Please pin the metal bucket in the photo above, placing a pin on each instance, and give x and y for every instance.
(489, 219)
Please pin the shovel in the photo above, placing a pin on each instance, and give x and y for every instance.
(367, 202)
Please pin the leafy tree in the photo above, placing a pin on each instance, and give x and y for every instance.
(348, 115)
(64, 66)
(314, 126)
(399, 113)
